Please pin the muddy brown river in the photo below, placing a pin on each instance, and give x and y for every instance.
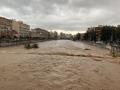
(59, 65)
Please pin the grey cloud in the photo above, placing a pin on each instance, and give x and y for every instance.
(62, 14)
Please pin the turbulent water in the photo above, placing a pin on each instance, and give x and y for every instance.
(58, 65)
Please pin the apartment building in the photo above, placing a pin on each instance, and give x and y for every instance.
(5, 27)
(39, 33)
(21, 28)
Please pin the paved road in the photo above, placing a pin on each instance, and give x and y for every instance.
(58, 65)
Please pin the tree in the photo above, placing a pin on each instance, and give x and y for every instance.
(106, 34)
(77, 36)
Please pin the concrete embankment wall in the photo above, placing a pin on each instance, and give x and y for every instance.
(14, 43)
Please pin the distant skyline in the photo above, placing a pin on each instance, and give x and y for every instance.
(62, 15)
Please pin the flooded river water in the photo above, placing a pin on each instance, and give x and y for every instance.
(58, 65)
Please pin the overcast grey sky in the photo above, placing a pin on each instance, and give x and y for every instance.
(68, 15)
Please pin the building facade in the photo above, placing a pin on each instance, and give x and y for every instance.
(11, 28)
(5, 27)
(24, 29)
(21, 28)
(98, 32)
(39, 33)
(15, 27)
